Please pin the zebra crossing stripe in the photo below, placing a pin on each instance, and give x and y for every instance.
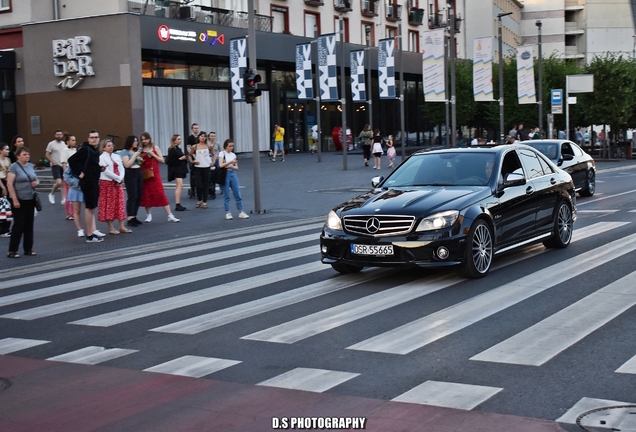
(194, 297)
(313, 380)
(221, 317)
(139, 257)
(421, 332)
(192, 366)
(152, 286)
(10, 345)
(544, 340)
(629, 367)
(92, 355)
(311, 325)
(449, 395)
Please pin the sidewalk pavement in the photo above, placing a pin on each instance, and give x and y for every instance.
(54, 396)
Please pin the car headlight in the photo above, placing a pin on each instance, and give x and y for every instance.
(333, 221)
(438, 221)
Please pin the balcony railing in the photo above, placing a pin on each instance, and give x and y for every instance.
(202, 14)
(416, 16)
(393, 11)
(314, 2)
(369, 8)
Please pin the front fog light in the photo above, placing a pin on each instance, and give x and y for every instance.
(323, 248)
(442, 252)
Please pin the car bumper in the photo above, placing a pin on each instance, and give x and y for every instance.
(408, 251)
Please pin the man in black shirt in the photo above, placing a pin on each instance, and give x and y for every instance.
(192, 140)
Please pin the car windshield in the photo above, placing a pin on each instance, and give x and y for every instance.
(444, 169)
(549, 149)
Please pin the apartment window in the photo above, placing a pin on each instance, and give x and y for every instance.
(5, 6)
(391, 32)
(414, 4)
(414, 41)
(367, 34)
(336, 28)
(312, 25)
(281, 19)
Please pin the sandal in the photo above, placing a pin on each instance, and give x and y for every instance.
(197, 205)
(204, 205)
(30, 253)
(69, 217)
(125, 231)
(113, 232)
(13, 255)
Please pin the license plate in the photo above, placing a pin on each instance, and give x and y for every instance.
(374, 250)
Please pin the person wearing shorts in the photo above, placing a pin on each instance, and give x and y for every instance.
(279, 142)
(53, 153)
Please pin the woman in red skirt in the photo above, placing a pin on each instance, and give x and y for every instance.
(152, 194)
(112, 203)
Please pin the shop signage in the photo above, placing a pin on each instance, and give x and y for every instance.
(166, 33)
(71, 60)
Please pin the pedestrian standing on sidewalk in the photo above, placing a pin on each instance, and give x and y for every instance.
(69, 150)
(86, 162)
(131, 158)
(202, 159)
(153, 194)
(177, 169)
(5, 163)
(192, 140)
(390, 153)
(228, 160)
(54, 155)
(112, 201)
(216, 149)
(366, 136)
(279, 142)
(16, 143)
(377, 150)
(21, 184)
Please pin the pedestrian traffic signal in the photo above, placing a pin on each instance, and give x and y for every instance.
(250, 80)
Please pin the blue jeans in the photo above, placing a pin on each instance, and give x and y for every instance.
(231, 181)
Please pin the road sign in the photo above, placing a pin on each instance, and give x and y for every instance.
(557, 101)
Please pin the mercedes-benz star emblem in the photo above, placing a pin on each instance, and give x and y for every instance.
(373, 225)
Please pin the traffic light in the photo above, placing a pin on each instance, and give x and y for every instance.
(250, 80)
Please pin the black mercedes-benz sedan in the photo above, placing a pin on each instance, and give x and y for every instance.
(572, 159)
(453, 207)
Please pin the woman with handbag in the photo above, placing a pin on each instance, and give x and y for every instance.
(153, 194)
(131, 158)
(202, 157)
(112, 203)
(21, 183)
(177, 169)
(366, 136)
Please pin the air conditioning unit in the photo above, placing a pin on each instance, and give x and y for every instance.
(186, 13)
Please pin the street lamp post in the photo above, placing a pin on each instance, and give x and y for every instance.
(501, 86)
(343, 100)
(451, 47)
(368, 86)
(540, 98)
(402, 134)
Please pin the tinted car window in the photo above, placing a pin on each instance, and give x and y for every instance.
(567, 149)
(531, 163)
(511, 164)
(547, 169)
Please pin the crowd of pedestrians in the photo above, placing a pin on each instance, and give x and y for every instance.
(111, 185)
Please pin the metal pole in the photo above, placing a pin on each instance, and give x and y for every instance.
(540, 98)
(501, 84)
(368, 86)
(251, 48)
(446, 88)
(567, 108)
(402, 91)
(343, 99)
(451, 47)
(317, 99)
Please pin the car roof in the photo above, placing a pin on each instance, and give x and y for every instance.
(497, 148)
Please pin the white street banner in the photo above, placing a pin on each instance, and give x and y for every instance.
(238, 64)
(304, 82)
(386, 68)
(327, 71)
(482, 69)
(525, 75)
(358, 87)
(433, 66)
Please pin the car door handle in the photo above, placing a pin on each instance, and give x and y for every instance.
(553, 181)
(529, 190)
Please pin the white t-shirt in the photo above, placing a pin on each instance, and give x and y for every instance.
(56, 148)
(226, 157)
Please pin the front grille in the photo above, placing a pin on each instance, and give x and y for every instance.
(378, 226)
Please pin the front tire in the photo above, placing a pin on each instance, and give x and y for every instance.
(479, 251)
(346, 268)
(590, 184)
(562, 233)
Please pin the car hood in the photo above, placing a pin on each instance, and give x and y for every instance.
(416, 202)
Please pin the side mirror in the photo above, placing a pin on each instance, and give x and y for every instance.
(567, 157)
(513, 179)
(375, 181)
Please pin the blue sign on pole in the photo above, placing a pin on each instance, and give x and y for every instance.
(557, 96)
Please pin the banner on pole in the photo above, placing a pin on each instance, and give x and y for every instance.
(304, 81)
(327, 71)
(525, 75)
(386, 68)
(433, 66)
(238, 64)
(358, 85)
(482, 69)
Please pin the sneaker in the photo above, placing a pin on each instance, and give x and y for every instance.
(80, 233)
(98, 233)
(63, 202)
(228, 216)
(94, 239)
(5, 235)
(243, 215)
(52, 198)
(171, 218)
(179, 207)
(273, 159)
(283, 160)
(148, 218)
